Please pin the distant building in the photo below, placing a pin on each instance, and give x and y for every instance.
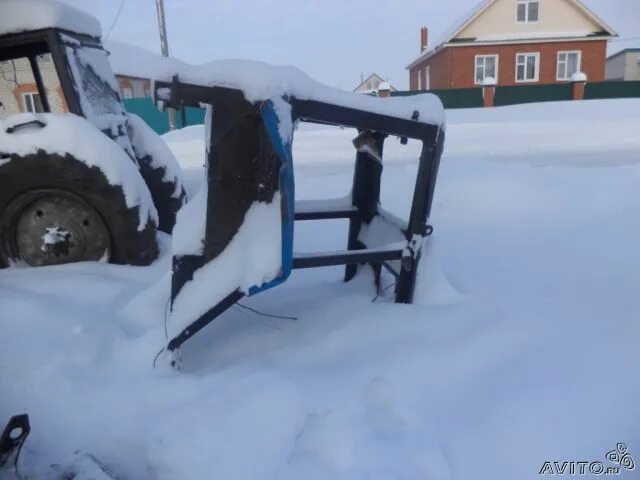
(372, 84)
(134, 68)
(624, 65)
(515, 42)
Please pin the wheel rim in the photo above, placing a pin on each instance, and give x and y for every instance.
(52, 227)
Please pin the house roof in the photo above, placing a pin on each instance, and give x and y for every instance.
(133, 61)
(370, 77)
(470, 16)
(622, 52)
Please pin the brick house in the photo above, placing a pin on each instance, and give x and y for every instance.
(134, 67)
(515, 42)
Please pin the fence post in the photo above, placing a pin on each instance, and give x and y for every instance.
(384, 90)
(578, 82)
(488, 91)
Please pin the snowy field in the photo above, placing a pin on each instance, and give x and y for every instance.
(521, 349)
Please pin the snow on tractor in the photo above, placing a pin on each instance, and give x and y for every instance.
(85, 181)
(95, 185)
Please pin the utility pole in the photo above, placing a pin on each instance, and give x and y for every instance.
(164, 46)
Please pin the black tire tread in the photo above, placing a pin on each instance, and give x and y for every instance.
(44, 170)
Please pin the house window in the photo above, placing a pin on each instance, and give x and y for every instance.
(420, 79)
(568, 64)
(428, 78)
(528, 11)
(527, 67)
(486, 66)
(127, 92)
(31, 102)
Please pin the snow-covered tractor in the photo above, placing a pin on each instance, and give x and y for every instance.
(80, 179)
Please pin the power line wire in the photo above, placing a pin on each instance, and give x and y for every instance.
(115, 20)
(269, 315)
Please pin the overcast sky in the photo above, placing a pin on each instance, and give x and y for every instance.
(334, 41)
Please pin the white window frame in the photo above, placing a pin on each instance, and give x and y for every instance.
(528, 54)
(526, 3)
(427, 74)
(127, 93)
(419, 78)
(475, 67)
(31, 96)
(567, 52)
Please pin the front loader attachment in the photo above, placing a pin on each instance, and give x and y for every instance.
(236, 237)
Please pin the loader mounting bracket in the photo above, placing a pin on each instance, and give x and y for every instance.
(244, 153)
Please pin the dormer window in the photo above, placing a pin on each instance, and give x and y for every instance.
(528, 11)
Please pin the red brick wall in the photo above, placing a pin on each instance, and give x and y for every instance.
(454, 67)
(440, 71)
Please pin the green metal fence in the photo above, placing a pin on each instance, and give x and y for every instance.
(514, 95)
(616, 89)
(159, 121)
(452, 98)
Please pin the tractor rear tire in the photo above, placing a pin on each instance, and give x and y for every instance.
(160, 170)
(85, 217)
(162, 191)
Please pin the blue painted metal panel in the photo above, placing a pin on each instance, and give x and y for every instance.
(282, 147)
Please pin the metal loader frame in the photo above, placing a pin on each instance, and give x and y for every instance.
(232, 110)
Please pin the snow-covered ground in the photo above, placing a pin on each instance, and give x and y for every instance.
(522, 346)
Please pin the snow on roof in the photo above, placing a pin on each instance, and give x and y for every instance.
(133, 61)
(260, 81)
(463, 21)
(22, 15)
(455, 27)
(384, 86)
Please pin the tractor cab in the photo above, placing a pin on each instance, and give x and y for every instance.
(60, 71)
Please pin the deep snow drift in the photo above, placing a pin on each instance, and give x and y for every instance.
(522, 347)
